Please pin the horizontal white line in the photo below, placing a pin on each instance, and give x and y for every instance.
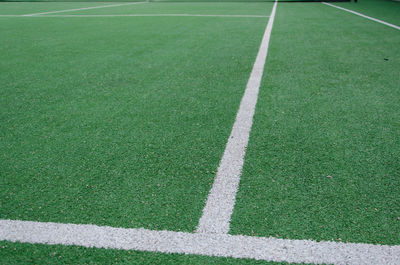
(364, 16)
(142, 15)
(84, 8)
(221, 200)
(222, 245)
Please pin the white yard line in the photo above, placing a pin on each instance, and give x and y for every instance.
(221, 200)
(222, 245)
(84, 8)
(364, 16)
(144, 15)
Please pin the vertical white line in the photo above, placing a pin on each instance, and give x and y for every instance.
(364, 16)
(221, 200)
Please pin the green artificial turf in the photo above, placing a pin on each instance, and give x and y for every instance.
(199, 8)
(323, 157)
(218, 8)
(386, 10)
(18, 253)
(118, 121)
(122, 122)
(13, 8)
(71, 1)
(232, 1)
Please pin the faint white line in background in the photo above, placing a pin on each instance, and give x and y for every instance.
(221, 245)
(221, 200)
(84, 8)
(143, 15)
(364, 16)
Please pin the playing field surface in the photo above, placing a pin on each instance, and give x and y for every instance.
(206, 132)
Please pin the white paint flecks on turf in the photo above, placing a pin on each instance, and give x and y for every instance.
(221, 200)
(364, 16)
(221, 245)
(84, 8)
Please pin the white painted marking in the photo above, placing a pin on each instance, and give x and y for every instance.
(84, 8)
(222, 245)
(143, 15)
(364, 16)
(221, 200)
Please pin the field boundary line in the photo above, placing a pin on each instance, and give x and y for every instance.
(162, 15)
(144, 15)
(221, 199)
(364, 16)
(84, 8)
(221, 245)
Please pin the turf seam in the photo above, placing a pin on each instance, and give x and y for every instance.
(221, 199)
(364, 16)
